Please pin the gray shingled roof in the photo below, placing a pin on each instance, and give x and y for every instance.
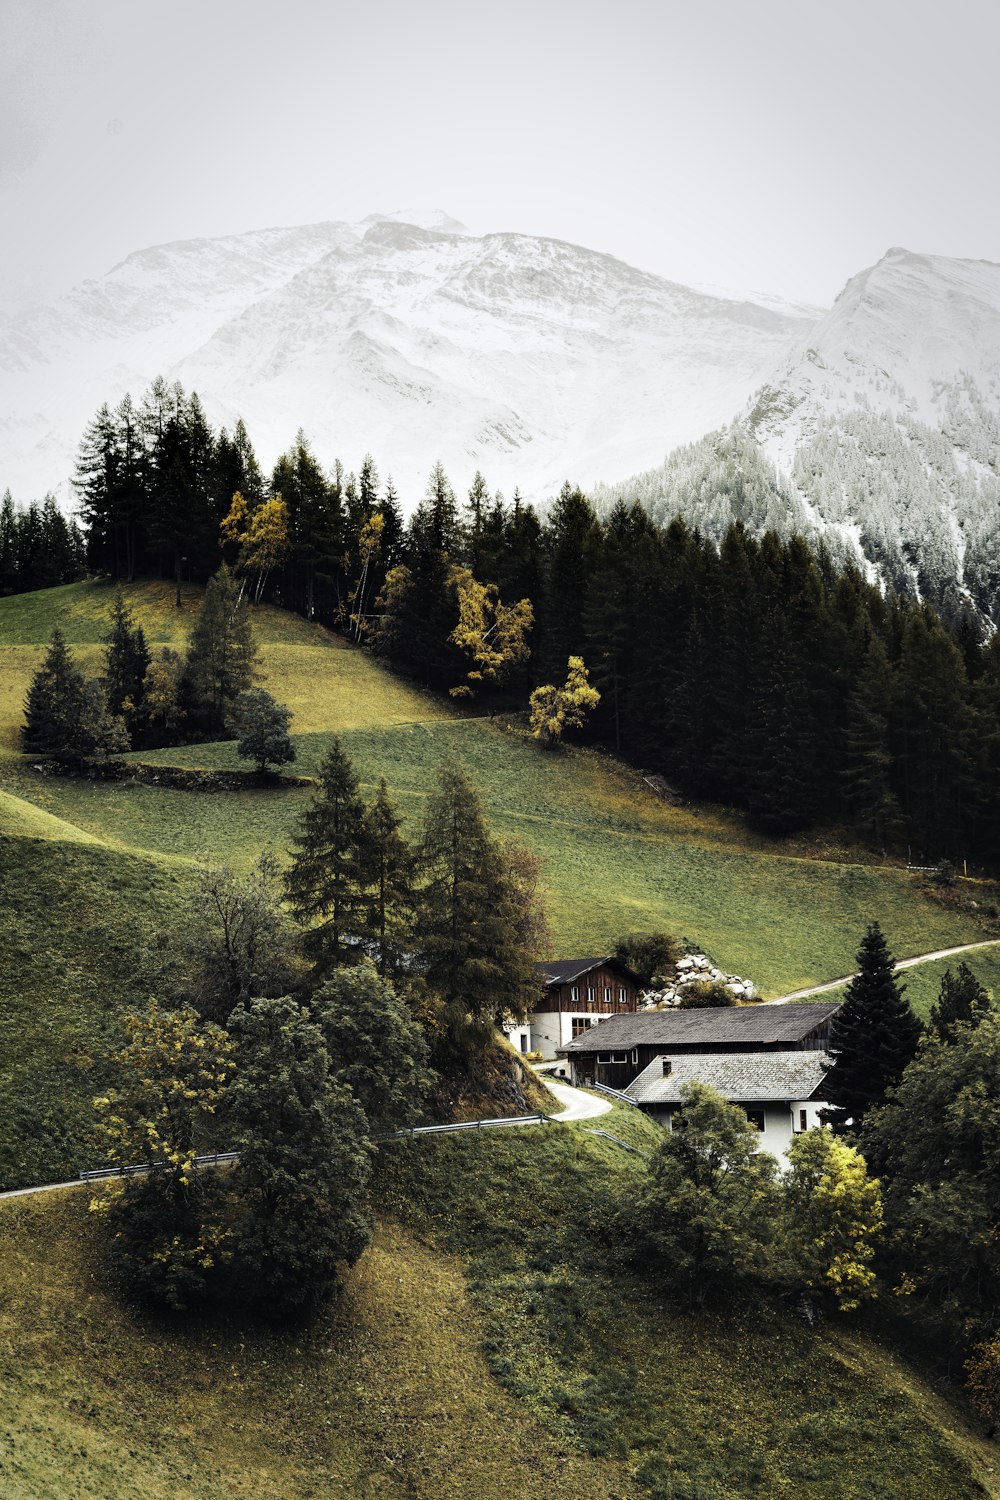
(714, 1025)
(749, 1077)
(565, 970)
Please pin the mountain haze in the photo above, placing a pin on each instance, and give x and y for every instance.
(532, 359)
(875, 425)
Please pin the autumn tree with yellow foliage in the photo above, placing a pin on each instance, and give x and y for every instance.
(554, 710)
(492, 635)
(166, 1225)
(262, 535)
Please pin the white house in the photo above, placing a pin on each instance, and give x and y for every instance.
(781, 1092)
(574, 995)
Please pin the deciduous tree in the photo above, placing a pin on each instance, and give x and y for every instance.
(554, 710)
(167, 1227)
(376, 1046)
(262, 725)
(304, 1162)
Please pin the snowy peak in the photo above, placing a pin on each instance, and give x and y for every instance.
(529, 358)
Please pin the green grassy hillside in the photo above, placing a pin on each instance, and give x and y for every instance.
(490, 1344)
(616, 857)
(90, 868)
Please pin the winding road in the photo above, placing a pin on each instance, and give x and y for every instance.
(904, 963)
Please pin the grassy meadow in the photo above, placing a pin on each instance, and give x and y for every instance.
(487, 1345)
(90, 870)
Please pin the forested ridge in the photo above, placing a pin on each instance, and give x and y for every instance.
(758, 671)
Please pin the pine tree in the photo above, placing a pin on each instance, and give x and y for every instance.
(65, 715)
(388, 920)
(867, 764)
(127, 658)
(475, 932)
(328, 882)
(221, 655)
(962, 1000)
(872, 1037)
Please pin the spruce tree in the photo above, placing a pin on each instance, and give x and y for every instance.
(328, 881)
(867, 760)
(962, 1000)
(221, 655)
(127, 658)
(65, 715)
(389, 914)
(475, 928)
(872, 1037)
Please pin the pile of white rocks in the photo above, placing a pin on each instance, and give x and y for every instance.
(698, 968)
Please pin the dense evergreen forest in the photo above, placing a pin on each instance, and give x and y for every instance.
(759, 672)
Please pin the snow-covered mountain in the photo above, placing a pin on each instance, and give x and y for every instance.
(875, 425)
(879, 430)
(529, 358)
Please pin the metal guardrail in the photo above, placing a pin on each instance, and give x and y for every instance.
(143, 1168)
(603, 1088)
(625, 1145)
(397, 1135)
(217, 1158)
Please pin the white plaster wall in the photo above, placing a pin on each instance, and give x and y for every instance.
(551, 1029)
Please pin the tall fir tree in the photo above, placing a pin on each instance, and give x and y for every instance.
(66, 717)
(328, 882)
(388, 922)
(873, 1036)
(962, 1001)
(474, 929)
(126, 662)
(222, 655)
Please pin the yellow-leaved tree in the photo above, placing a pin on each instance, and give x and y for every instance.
(831, 1219)
(554, 710)
(491, 634)
(261, 534)
(167, 1232)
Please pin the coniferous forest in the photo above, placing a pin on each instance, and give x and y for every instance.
(757, 671)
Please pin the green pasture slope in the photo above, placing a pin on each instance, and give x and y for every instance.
(89, 870)
(489, 1344)
(615, 857)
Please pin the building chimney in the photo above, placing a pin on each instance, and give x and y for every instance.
(666, 1066)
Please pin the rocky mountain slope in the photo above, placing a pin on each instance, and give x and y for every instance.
(879, 431)
(531, 359)
(875, 425)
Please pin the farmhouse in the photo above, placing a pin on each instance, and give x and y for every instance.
(781, 1092)
(575, 994)
(620, 1048)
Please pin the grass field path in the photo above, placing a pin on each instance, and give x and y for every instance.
(904, 963)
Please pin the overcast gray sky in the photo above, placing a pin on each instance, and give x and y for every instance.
(780, 145)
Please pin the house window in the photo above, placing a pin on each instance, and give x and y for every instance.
(580, 1024)
(574, 994)
(524, 1041)
(803, 1120)
(622, 997)
(607, 994)
(612, 1057)
(591, 994)
(755, 1116)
